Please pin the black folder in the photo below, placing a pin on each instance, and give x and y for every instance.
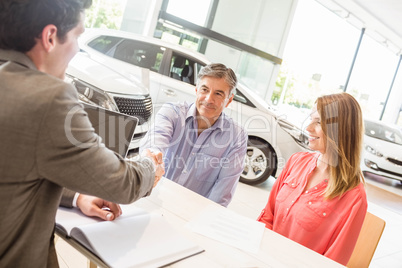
(115, 129)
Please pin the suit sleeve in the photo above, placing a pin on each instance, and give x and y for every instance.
(67, 198)
(71, 154)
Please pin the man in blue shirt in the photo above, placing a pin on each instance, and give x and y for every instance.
(203, 149)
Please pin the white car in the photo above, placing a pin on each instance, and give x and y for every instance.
(382, 150)
(99, 85)
(172, 77)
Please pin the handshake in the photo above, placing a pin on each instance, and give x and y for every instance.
(157, 159)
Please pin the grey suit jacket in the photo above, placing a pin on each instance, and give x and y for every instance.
(44, 147)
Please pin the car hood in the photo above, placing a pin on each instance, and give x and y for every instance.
(102, 77)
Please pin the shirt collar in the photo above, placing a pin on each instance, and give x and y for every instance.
(17, 57)
(192, 113)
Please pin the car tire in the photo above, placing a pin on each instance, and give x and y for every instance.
(260, 163)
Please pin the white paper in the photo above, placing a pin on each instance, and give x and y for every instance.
(229, 227)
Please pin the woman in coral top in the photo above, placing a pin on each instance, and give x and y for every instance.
(319, 199)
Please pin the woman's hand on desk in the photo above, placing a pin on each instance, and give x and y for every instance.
(94, 206)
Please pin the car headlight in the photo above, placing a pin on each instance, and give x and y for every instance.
(91, 94)
(297, 134)
(372, 151)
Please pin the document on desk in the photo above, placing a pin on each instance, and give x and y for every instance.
(135, 239)
(229, 227)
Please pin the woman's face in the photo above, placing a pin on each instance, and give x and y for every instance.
(316, 134)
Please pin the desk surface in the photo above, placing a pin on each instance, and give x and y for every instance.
(179, 205)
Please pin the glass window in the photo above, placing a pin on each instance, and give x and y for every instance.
(316, 60)
(264, 28)
(140, 54)
(104, 43)
(372, 76)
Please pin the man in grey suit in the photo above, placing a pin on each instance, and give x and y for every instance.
(38, 158)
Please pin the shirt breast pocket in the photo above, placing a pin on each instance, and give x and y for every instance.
(312, 216)
(207, 167)
(287, 189)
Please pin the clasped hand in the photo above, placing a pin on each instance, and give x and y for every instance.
(157, 159)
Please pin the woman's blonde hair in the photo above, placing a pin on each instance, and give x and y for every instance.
(342, 124)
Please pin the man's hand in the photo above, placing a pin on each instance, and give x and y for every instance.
(158, 161)
(94, 206)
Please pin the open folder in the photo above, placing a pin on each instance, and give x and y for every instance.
(136, 239)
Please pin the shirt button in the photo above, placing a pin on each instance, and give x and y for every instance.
(287, 208)
(293, 201)
(293, 184)
(306, 192)
(184, 171)
(315, 188)
(324, 214)
(309, 203)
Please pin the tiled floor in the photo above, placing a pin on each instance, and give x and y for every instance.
(385, 201)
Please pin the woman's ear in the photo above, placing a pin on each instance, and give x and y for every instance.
(49, 37)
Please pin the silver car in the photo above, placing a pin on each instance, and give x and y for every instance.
(382, 150)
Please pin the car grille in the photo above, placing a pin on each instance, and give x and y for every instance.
(394, 161)
(139, 107)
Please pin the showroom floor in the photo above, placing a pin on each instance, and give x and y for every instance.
(385, 201)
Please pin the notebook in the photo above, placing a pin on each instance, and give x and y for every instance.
(136, 239)
(115, 129)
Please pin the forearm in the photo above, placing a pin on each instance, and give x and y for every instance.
(159, 137)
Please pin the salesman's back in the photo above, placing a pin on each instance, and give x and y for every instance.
(46, 139)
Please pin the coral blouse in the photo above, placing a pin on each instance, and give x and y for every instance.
(329, 227)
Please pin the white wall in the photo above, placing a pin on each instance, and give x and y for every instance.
(263, 24)
(141, 16)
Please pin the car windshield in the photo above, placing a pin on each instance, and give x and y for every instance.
(383, 132)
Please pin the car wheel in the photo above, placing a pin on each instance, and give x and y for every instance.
(260, 163)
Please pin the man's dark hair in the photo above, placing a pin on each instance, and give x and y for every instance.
(22, 21)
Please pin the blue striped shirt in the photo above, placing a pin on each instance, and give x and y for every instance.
(209, 164)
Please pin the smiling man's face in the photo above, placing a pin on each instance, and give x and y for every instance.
(212, 97)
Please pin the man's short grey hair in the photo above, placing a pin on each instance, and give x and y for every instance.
(219, 70)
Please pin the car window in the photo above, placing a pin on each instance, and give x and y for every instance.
(182, 68)
(141, 54)
(104, 43)
(239, 97)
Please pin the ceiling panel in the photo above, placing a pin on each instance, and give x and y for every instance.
(381, 18)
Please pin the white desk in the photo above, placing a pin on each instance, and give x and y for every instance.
(179, 205)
